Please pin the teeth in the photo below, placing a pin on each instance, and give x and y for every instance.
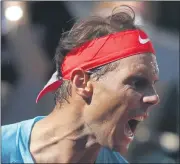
(141, 118)
(146, 114)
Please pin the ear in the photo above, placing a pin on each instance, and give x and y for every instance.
(81, 84)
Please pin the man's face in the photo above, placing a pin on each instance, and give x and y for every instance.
(118, 97)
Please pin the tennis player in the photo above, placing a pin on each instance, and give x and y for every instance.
(104, 85)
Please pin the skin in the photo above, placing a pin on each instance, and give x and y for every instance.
(97, 113)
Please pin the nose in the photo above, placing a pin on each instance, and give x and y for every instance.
(152, 99)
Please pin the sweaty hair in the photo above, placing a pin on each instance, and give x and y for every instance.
(85, 30)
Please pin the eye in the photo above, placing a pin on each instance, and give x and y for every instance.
(139, 83)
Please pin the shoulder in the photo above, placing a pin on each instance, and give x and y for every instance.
(108, 156)
(8, 141)
(15, 141)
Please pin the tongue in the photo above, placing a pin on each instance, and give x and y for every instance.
(127, 130)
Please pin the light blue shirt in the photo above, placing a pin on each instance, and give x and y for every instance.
(15, 145)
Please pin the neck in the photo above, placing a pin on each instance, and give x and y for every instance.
(63, 137)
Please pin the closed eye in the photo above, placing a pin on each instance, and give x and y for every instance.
(138, 82)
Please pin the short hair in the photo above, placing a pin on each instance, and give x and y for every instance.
(85, 30)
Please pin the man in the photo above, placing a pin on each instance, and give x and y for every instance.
(104, 83)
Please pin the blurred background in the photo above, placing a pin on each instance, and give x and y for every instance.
(30, 32)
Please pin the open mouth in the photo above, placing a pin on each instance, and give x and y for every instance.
(131, 125)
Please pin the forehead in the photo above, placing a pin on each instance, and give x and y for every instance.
(140, 64)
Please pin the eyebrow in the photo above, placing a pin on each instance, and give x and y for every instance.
(139, 77)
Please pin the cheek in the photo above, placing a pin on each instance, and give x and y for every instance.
(109, 99)
(108, 111)
(106, 107)
(133, 98)
(103, 105)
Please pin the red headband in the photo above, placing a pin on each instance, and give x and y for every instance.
(101, 51)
